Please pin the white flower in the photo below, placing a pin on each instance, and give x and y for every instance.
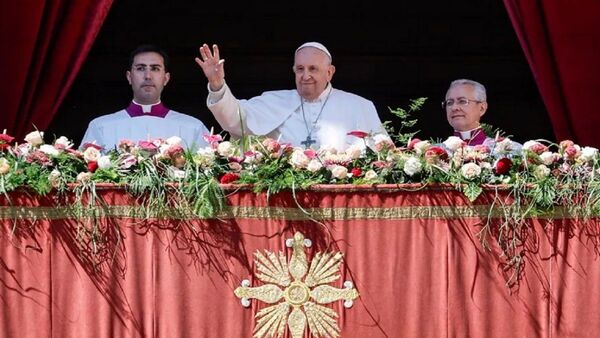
(24, 149)
(548, 157)
(588, 154)
(503, 147)
(84, 176)
(177, 174)
(54, 177)
(541, 171)
(104, 162)
(174, 140)
(421, 147)
(470, 170)
(63, 142)
(91, 154)
(35, 138)
(412, 166)
(486, 165)
(49, 150)
(298, 159)
(382, 141)
(453, 143)
(370, 175)
(338, 171)
(314, 165)
(206, 157)
(225, 149)
(4, 166)
(356, 150)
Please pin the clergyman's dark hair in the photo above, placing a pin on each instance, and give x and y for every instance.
(149, 48)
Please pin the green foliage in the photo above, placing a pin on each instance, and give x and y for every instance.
(402, 136)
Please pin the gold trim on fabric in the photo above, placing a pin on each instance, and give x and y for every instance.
(292, 214)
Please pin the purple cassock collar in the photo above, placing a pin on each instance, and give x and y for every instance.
(475, 137)
(157, 110)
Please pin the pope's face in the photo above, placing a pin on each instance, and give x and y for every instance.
(313, 71)
(464, 117)
(147, 77)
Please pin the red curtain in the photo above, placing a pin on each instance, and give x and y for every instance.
(44, 44)
(561, 42)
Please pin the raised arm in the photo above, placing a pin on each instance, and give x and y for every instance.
(212, 66)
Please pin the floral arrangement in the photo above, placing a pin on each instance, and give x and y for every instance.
(535, 173)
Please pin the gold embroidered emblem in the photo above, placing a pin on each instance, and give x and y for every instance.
(301, 296)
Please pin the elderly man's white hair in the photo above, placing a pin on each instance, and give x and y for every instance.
(479, 88)
(316, 45)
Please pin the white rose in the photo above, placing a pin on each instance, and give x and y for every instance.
(298, 159)
(370, 175)
(64, 142)
(49, 150)
(547, 157)
(412, 166)
(338, 171)
(35, 138)
(205, 157)
(314, 165)
(421, 147)
(225, 149)
(470, 170)
(453, 143)
(174, 140)
(382, 141)
(588, 154)
(530, 144)
(4, 166)
(541, 171)
(91, 154)
(503, 147)
(104, 162)
(355, 151)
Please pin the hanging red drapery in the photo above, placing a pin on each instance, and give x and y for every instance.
(561, 42)
(44, 45)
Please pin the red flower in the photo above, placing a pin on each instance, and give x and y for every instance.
(5, 141)
(436, 152)
(503, 166)
(93, 145)
(229, 178)
(411, 143)
(356, 172)
(92, 166)
(358, 133)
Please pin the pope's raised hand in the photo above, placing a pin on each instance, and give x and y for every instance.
(212, 66)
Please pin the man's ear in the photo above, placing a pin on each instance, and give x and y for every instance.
(483, 108)
(167, 78)
(331, 71)
(128, 76)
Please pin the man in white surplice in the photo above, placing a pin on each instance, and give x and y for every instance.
(314, 115)
(146, 117)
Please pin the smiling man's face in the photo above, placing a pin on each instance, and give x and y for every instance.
(147, 77)
(464, 117)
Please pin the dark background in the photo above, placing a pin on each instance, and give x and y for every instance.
(386, 55)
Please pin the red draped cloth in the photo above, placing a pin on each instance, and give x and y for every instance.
(44, 44)
(561, 42)
(413, 256)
